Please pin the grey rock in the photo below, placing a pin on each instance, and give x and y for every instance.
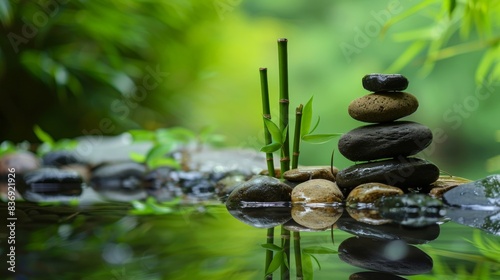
(413, 210)
(387, 140)
(404, 173)
(120, 181)
(484, 193)
(488, 221)
(50, 184)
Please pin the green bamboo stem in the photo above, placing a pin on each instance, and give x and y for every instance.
(296, 137)
(266, 113)
(298, 254)
(285, 244)
(284, 102)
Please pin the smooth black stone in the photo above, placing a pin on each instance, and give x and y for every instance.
(60, 158)
(384, 82)
(488, 221)
(259, 189)
(387, 140)
(484, 193)
(127, 176)
(413, 210)
(50, 182)
(404, 173)
(391, 256)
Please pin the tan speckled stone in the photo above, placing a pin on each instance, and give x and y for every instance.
(305, 173)
(383, 107)
(316, 217)
(317, 191)
(370, 192)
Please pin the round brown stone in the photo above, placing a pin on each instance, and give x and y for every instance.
(317, 191)
(383, 106)
(316, 217)
(305, 173)
(370, 192)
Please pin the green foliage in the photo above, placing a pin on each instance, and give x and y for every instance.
(474, 22)
(7, 147)
(306, 130)
(49, 144)
(278, 137)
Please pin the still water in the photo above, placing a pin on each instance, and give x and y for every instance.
(203, 241)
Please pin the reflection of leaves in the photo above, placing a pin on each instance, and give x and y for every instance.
(308, 257)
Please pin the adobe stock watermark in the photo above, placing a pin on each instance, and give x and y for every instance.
(122, 108)
(222, 7)
(454, 117)
(39, 19)
(364, 36)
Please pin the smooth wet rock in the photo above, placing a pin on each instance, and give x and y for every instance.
(305, 173)
(483, 193)
(384, 82)
(317, 191)
(488, 221)
(120, 181)
(369, 193)
(383, 107)
(259, 189)
(367, 216)
(60, 158)
(50, 184)
(404, 173)
(386, 140)
(316, 217)
(391, 256)
(414, 210)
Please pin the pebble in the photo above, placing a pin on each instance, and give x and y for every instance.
(259, 189)
(317, 218)
(317, 191)
(262, 217)
(386, 140)
(122, 181)
(404, 173)
(383, 107)
(384, 82)
(486, 220)
(305, 173)
(484, 193)
(50, 184)
(367, 216)
(391, 256)
(369, 193)
(444, 184)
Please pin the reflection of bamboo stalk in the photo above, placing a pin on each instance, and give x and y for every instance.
(266, 111)
(285, 244)
(298, 254)
(269, 253)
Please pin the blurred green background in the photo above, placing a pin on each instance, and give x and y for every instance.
(104, 67)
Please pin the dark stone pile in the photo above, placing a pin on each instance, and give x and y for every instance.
(385, 147)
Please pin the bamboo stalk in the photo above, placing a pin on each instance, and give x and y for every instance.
(285, 244)
(266, 113)
(269, 253)
(296, 137)
(284, 103)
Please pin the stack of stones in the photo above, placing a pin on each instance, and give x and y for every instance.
(382, 150)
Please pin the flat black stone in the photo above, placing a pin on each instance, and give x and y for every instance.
(384, 82)
(51, 181)
(404, 173)
(387, 140)
(391, 256)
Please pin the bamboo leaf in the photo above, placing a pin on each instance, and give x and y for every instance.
(485, 65)
(285, 260)
(272, 247)
(316, 260)
(271, 148)
(163, 161)
(411, 52)
(315, 126)
(43, 136)
(142, 135)
(275, 263)
(307, 267)
(452, 4)
(319, 250)
(274, 130)
(137, 157)
(319, 138)
(306, 118)
(407, 13)
(284, 134)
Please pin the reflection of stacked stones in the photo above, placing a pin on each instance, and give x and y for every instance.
(387, 144)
